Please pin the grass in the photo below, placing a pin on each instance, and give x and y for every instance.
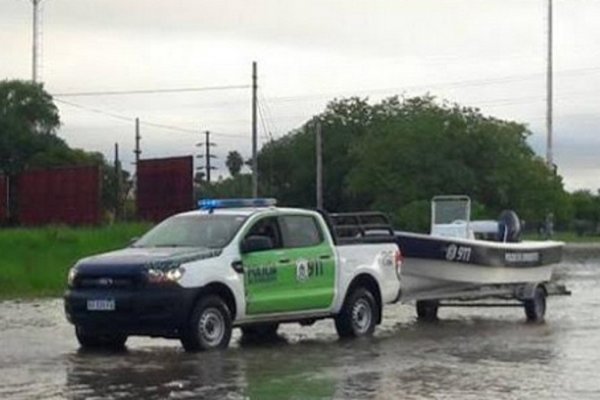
(34, 262)
(568, 237)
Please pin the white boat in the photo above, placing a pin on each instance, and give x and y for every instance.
(460, 257)
(461, 261)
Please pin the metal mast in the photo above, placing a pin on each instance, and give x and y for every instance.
(254, 134)
(319, 166)
(549, 152)
(36, 40)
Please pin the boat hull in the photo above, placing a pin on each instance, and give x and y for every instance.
(442, 267)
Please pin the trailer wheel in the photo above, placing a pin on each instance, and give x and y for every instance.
(91, 340)
(427, 310)
(358, 316)
(209, 326)
(535, 308)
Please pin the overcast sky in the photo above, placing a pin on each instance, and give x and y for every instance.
(489, 54)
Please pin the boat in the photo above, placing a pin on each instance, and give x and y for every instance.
(460, 254)
(463, 261)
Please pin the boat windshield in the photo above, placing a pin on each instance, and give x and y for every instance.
(451, 210)
(209, 231)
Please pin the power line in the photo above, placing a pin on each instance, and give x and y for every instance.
(268, 114)
(266, 133)
(151, 91)
(96, 110)
(122, 117)
(452, 84)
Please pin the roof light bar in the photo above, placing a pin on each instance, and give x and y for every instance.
(211, 204)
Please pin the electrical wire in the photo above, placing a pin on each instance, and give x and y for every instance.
(122, 117)
(150, 91)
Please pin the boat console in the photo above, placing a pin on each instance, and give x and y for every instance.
(451, 217)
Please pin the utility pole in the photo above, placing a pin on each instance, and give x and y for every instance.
(36, 40)
(118, 188)
(137, 150)
(549, 152)
(208, 156)
(254, 134)
(319, 155)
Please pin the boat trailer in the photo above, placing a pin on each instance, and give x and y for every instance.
(530, 296)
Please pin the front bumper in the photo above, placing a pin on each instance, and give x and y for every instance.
(148, 311)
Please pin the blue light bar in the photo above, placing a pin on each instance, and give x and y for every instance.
(212, 204)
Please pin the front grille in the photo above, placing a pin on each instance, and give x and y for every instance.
(107, 282)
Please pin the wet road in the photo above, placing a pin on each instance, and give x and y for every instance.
(469, 354)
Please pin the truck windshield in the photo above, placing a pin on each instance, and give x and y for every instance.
(209, 231)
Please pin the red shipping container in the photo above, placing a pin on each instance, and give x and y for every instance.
(68, 195)
(164, 187)
(3, 198)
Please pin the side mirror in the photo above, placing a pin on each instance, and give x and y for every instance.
(256, 243)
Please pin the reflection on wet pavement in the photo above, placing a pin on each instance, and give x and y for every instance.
(468, 354)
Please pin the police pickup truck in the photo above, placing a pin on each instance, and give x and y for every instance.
(232, 263)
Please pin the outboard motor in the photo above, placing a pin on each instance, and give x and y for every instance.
(509, 226)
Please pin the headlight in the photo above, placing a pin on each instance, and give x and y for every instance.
(71, 276)
(156, 275)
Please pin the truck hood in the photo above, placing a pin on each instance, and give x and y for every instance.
(136, 258)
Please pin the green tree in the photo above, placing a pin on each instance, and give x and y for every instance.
(234, 163)
(28, 123)
(586, 211)
(396, 154)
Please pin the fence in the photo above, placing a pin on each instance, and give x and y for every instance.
(164, 187)
(69, 195)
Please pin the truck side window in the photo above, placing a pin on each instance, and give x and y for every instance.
(267, 227)
(300, 231)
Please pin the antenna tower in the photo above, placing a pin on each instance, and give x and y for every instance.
(37, 42)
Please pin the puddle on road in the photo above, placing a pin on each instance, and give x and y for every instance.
(469, 354)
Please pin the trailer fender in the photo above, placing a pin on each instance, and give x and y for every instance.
(527, 290)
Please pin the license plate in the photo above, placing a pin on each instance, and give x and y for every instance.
(101, 305)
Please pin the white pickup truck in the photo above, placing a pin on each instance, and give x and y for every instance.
(233, 263)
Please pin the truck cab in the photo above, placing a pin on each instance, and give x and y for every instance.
(233, 263)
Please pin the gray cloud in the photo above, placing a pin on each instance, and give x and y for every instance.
(488, 54)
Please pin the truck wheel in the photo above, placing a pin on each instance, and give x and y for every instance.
(358, 316)
(209, 326)
(535, 308)
(427, 310)
(90, 340)
(260, 331)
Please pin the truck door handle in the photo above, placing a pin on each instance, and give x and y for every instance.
(325, 257)
(284, 261)
(238, 267)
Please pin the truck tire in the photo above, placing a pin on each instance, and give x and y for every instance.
(91, 340)
(535, 308)
(209, 326)
(427, 310)
(260, 331)
(358, 316)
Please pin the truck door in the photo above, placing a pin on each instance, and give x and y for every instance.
(268, 273)
(313, 262)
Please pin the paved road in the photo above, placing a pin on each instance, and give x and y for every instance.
(469, 354)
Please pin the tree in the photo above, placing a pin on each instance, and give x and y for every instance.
(586, 210)
(234, 163)
(396, 154)
(28, 123)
